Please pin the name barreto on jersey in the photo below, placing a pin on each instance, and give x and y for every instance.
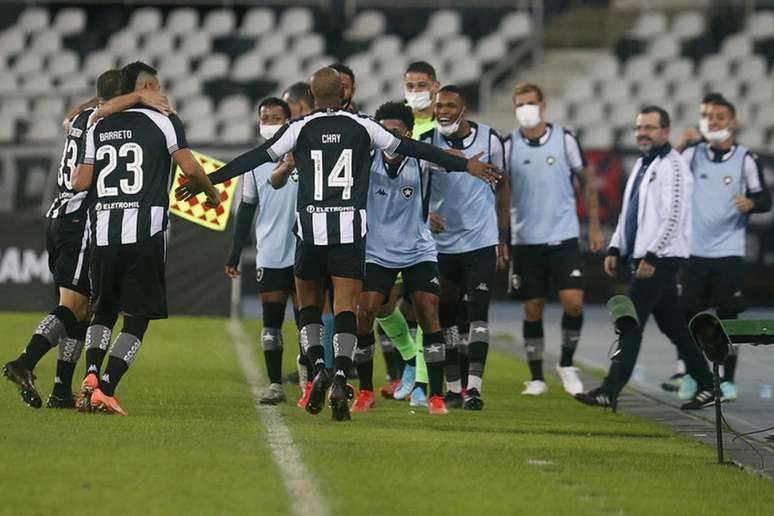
(123, 134)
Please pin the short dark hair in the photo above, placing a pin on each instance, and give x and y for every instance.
(396, 111)
(130, 72)
(300, 92)
(275, 101)
(726, 104)
(109, 84)
(663, 116)
(422, 67)
(713, 98)
(342, 68)
(453, 88)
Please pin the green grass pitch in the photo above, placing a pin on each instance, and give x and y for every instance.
(193, 445)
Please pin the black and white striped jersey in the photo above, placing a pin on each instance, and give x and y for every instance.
(67, 200)
(331, 148)
(132, 156)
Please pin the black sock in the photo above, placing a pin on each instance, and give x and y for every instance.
(452, 366)
(273, 359)
(365, 372)
(435, 367)
(113, 372)
(64, 378)
(571, 329)
(94, 359)
(464, 369)
(34, 351)
(729, 368)
(341, 365)
(412, 361)
(536, 369)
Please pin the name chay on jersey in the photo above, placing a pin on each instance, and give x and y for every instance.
(398, 207)
(331, 148)
(132, 156)
(67, 200)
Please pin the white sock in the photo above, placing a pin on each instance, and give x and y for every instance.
(474, 382)
(455, 386)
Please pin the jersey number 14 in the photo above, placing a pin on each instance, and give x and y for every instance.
(340, 176)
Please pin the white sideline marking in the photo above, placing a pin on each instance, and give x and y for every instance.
(302, 489)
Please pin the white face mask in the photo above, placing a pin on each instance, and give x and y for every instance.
(704, 127)
(716, 137)
(418, 100)
(528, 116)
(268, 131)
(448, 130)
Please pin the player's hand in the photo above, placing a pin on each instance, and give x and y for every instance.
(502, 256)
(644, 270)
(232, 271)
(66, 125)
(187, 190)
(596, 239)
(213, 197)
(743, 204)
(156, 100)
(290, 161)
(437, 224)
(610, 265)
(484, 171)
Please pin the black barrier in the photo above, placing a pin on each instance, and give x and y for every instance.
(196, 284)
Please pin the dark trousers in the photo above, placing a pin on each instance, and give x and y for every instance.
(657, 295)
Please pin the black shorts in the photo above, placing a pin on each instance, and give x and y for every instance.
(713, 283)
(130, 279)
(472, 272)
(316, 262)
(67, 243)
(535, 267)
(272, 280)
(423, 277)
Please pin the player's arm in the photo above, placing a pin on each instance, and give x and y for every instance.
(757, 198)
(280, 175)
(502, 199)
(150, 98)
(585, 174)
(417, 149)
(195, 175)
(244, 221)
(92, 102)
(82, 176)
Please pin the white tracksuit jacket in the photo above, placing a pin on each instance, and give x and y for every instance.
(664, 216)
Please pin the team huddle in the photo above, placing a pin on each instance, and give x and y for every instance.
(392, 225)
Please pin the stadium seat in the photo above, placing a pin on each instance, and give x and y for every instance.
(368, 89)
(649, 25)
(597, 138)
(45, 42)
(362, 64)
(652, 92)
(296, 20)
(219, 22)
(588, 114)
(200, 130)
(146, 20)
(184, 87)
(123, 42)
(687, 25)
(458, 46)
(195, 45)
(515, 26)
(687, 91)
(248, 66)
(28, 63)
(764, 116)
(52, 107)
(42, 130)
(714, 67)
(63, 63)
(557, 111)
(76, 85)
(12, 41)
(728, 86)
(9, 83)
(664, 48)
(182, 20)
(15, 106)
(761, 25)
(213, 66)
(465, 71)
(751, 68)
(421, 47)
(237, 132)
(491, 48)
(622, 115)
(199, 106)
(287, 66)
(158, 44)
(443, 23)
(737, 45)
(69, 21)
(677, 69)
(614, 90)
(366, 26)
(33, 19)
(579, 90)
(760, 92)
(640, 67)
(604, 68)
(753, 137)
(386, 46)
(257, 21)
(272, 44)
(308, 45)
(97, 62)
(234, 107)
(174, 66)
(7, 128)
(311, 65)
